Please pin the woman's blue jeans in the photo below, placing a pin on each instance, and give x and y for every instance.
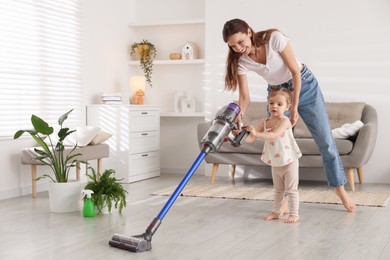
(312, 110)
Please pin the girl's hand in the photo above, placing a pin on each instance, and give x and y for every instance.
(251, 130)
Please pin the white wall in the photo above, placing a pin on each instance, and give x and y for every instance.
(105, 48)
(345, 44)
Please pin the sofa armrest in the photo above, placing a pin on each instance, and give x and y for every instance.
(366, 138)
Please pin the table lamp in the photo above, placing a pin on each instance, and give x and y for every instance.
(137, 86)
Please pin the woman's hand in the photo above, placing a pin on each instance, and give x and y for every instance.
(294, 116)
(239, 124)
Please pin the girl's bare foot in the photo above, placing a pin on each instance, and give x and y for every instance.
(284, 207)
(291, 219)
(348, 203)
(271, 216)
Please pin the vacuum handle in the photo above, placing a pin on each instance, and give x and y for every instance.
(237, 140)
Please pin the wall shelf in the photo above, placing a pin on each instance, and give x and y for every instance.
(170, 62)
(167, 23)
(169, 33)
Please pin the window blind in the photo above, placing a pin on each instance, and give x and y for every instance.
(40, 62)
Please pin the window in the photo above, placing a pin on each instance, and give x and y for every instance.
(40, 62)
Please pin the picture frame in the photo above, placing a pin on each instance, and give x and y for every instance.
(187, 105)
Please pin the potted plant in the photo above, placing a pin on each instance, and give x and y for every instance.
(51, 152)
(146, 52)
(107, 191)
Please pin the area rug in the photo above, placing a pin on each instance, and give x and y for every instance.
(373, 199)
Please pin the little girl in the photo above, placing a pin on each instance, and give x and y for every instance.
(280, 151)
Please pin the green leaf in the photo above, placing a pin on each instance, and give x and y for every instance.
(41, 126)
(19, 134)
(60, 147)
(63, 133)
(64, 117)
(45, 176)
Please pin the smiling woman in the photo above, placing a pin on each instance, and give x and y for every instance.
(269, 54)
(40, 60)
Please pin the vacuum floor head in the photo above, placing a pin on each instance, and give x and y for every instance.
(136, 244)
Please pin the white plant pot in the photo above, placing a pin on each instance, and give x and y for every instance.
(105, 209)
(64, 197)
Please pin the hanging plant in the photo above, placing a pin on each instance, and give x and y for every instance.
(146, 52)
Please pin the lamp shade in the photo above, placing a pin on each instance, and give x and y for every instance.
(137, 83)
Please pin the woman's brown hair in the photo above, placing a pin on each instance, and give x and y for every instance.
(258, 39)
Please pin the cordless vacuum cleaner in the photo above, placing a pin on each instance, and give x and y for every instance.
(218, 133)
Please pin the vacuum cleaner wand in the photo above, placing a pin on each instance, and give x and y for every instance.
(218, 133)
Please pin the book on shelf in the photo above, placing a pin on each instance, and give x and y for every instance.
(112, 102)
(110, 94)
(111, 98)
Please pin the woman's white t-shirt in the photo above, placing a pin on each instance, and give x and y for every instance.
(275, 71)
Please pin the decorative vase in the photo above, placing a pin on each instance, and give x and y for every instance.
(64, 197)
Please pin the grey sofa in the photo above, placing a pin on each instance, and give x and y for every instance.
(355, 151)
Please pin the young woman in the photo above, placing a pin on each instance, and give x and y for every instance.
(281, 152)
(269, 54)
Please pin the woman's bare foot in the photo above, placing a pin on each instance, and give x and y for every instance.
(284, 207)
(348, 203)
(291, 219)
(271, 216)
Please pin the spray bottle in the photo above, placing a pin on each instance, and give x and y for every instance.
(89, 207)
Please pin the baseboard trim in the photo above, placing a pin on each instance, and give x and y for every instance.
(22, 191)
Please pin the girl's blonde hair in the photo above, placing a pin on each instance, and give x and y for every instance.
(283, 91)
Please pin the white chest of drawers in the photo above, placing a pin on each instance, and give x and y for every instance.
(135, 141)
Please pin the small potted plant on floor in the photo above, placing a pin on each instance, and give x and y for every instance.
(146, 52)
(107, 191)
(64, 195)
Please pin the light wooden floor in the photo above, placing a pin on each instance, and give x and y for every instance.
(195, 228)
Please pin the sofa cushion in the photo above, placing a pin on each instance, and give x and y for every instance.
(339, 114)
(347, 130)
(309, 147)
(255, 112)
(100, 137)
(82, 136)
(255, 147)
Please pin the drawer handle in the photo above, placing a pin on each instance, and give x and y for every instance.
(144, 113)
(145, 155)
(144, 134)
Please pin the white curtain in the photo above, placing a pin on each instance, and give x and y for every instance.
(40, 62)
